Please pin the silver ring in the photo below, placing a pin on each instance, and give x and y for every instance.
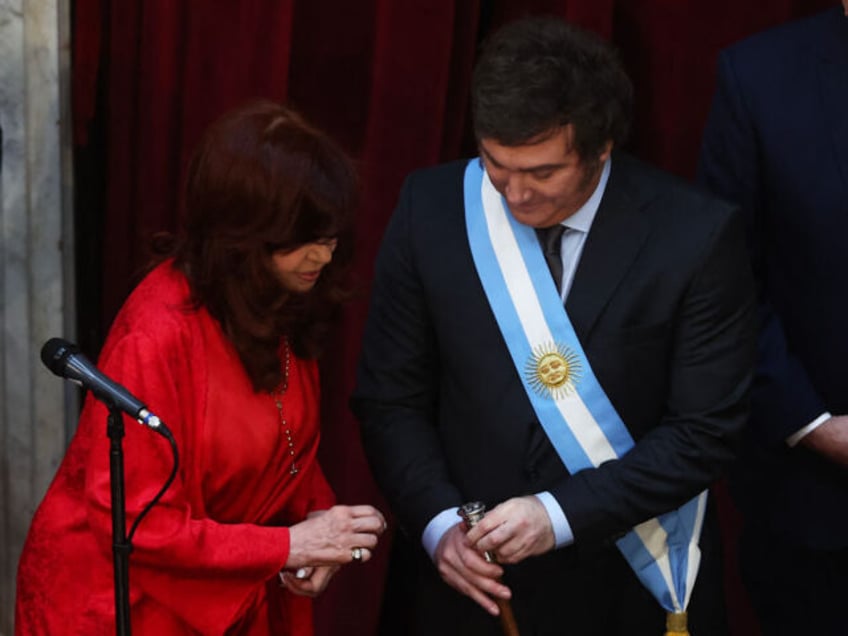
(356, 554)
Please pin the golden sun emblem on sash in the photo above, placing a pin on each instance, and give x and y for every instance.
(553, 370)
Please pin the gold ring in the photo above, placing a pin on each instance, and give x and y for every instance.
(356, 554)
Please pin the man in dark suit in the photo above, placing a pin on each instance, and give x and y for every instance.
(474, 384)
(776, 143)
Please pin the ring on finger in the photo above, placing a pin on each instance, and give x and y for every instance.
(356, 554)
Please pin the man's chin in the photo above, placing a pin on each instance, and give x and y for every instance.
(532, 218)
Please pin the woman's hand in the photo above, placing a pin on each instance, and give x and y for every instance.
(308, 581)
(330, 537)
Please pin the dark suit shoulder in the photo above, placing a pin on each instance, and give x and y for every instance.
(779, 94)
(663, 196)
(432, 197)
(435, 178)
(782, 50)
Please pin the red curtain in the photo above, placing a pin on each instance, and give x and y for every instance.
(390, 81)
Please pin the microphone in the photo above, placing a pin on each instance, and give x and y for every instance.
(67, 361)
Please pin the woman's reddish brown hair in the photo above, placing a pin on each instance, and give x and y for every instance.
(263, 179)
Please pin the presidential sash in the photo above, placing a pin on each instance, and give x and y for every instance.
(571, 405)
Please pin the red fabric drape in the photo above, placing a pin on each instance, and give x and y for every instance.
(390, 81)
(424, 110)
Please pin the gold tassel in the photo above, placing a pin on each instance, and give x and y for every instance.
(675, 624)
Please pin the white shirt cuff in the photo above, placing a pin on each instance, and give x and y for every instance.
(446, 519)
(436, 529)
(563, 534)
(797, 436)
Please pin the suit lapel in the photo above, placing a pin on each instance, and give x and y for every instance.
(618, 234)
(833, 84)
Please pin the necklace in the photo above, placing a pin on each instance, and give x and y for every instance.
(277, 394)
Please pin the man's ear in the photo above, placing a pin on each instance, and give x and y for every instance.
(607, 149)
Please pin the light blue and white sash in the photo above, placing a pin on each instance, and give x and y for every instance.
(577, 416)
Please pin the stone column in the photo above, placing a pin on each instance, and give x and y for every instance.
(37, 409)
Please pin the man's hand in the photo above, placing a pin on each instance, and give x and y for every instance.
(830, 439)
(468, 572)
(514, 530)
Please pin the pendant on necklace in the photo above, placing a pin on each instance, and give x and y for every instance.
(278, 401)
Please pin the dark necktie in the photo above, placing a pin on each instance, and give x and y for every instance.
(551, 240)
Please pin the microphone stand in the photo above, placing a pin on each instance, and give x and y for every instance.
(121, 547)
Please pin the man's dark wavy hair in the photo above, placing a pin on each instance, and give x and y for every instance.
(540, 73)
(263, 179)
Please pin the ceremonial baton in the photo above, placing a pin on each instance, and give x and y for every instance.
(472, 513)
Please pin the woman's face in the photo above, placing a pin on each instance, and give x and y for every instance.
(298, 269)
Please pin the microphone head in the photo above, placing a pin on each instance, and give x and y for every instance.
(55, 352)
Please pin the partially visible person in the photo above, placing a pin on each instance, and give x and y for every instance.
(573, 423)
(220, 340)
(776, 143)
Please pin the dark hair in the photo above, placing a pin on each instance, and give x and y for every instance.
(540, 73)
(263, 179)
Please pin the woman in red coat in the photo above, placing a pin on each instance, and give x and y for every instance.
(220, 339)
